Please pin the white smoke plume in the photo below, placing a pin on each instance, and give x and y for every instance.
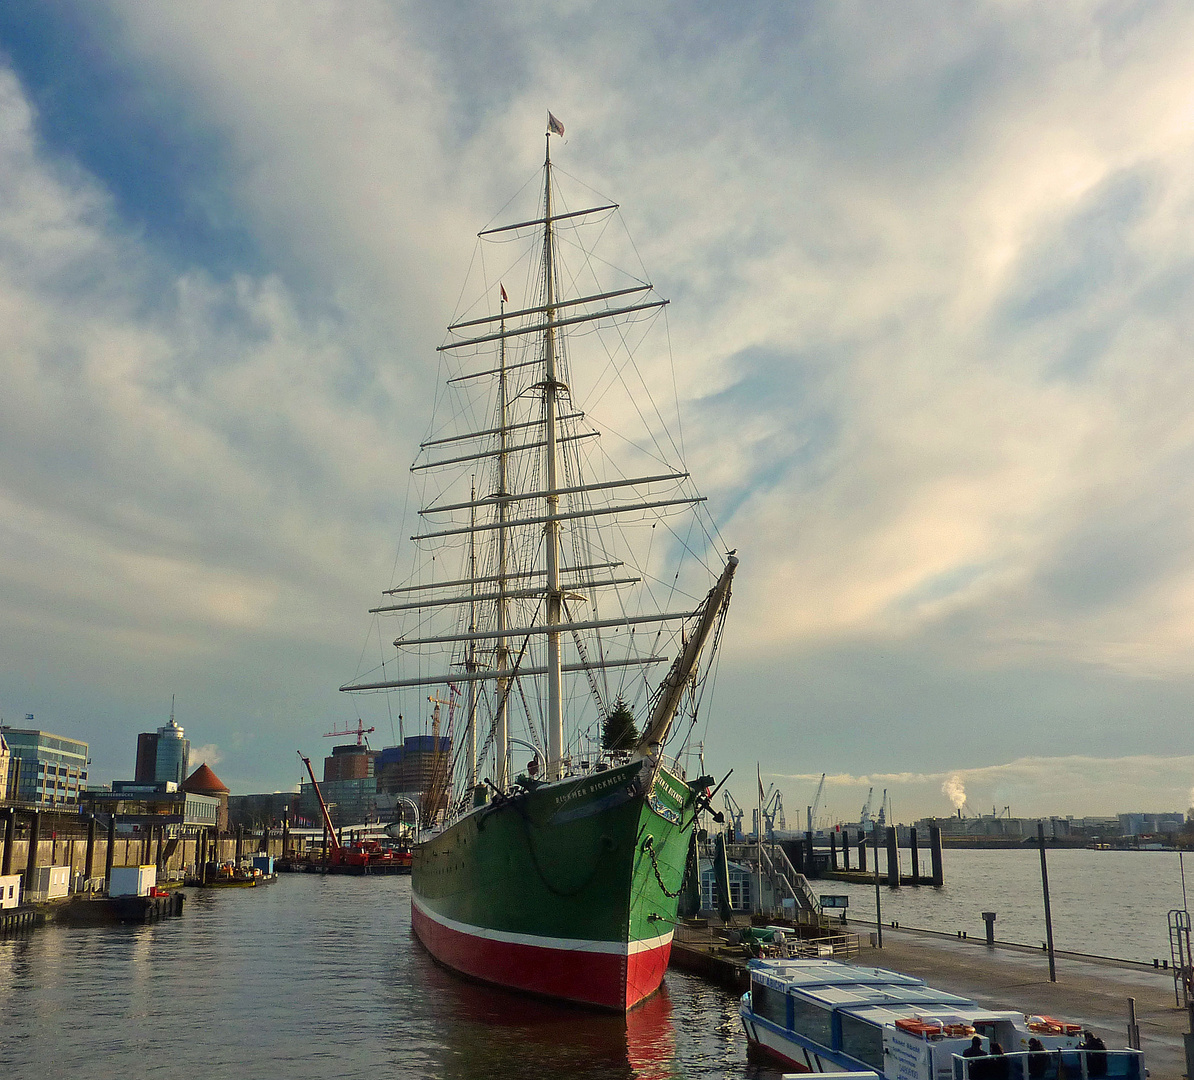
(200, 755)
(955, 791)
(1190, 800)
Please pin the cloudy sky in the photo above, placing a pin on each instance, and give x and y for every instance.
(931, 274)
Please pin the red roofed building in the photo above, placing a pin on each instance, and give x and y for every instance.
(205, 782)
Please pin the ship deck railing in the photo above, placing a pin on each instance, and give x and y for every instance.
(1052, 1065)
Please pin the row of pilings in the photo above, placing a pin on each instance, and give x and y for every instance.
(869, 854)
(91, 845)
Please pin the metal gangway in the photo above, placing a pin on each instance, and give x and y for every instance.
(784, 877)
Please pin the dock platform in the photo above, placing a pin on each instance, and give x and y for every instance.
(1090, 991)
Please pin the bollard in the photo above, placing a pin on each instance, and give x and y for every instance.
(893, 858)
(989, 919)
(89, 866)
(915, 855)
(31, 856)
(1133, 1027)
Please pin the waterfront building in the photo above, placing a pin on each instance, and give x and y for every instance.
(161, 803)
(742, 882)
(1144, 824)
(162, 754)
(418, 769)
(205, 782)
(351, 761)
(350, 802)
(44, 769)
(258, 811)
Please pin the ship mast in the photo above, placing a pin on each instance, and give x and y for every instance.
(470, 664)
(551, 528)
(501, 720)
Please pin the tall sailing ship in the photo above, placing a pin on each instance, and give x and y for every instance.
(558, 595)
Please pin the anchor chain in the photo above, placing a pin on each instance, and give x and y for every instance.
(649, 848)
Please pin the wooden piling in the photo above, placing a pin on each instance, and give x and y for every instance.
(832, 852)
(893, 858)
(861, 851)
(31, 856)
(845, 850)
(10, 839)
(915, 855)
(935, 855)
(110, 854)
(89, 866)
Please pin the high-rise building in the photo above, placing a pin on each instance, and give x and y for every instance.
(162, 754)
(45, 769)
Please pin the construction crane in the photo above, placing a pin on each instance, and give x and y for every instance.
(812, 810)
(881, 820)
(735, 811)
(360, 731)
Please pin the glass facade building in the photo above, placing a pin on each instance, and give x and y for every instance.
(45, 769)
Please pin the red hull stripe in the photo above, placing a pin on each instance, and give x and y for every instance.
(612, 980)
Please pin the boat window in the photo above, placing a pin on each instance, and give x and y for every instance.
(863, 1041)
(769, 1004)
(813, 1021)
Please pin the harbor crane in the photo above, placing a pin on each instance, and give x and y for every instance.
(773, 809)
(735, 811)
(864, 818)
(812, 810)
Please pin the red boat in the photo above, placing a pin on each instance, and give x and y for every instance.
(357, 856)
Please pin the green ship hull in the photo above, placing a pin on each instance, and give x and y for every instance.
(568, 890)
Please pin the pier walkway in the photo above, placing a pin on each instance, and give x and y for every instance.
(1088, 991)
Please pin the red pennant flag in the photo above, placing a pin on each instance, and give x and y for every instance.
(505, 298)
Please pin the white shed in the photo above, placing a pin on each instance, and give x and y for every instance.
(10, 891)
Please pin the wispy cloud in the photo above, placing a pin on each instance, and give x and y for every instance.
(931, 283)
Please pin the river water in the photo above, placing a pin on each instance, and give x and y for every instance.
(316, 977)
(319, 977)
(1105, 903)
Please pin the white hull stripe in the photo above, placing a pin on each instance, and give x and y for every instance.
(619, 948)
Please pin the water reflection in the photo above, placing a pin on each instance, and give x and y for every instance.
(317, 978)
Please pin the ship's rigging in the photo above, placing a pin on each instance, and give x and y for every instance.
(545, 584)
